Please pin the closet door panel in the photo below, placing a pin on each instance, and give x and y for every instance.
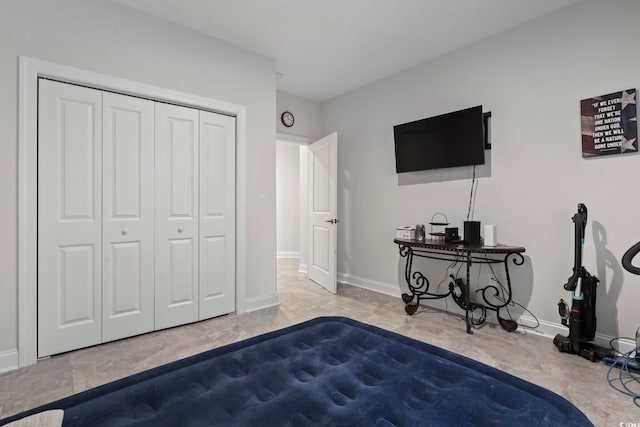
(217, 214)
(128, 215)
(176, 172)
(69, 217)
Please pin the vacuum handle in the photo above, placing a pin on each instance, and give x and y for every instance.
(582, 211)
(580, 222)
(628, 257)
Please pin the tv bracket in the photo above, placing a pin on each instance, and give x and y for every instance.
(486, 122)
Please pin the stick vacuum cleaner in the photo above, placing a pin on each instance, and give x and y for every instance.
(626, 361)
(581, 319)
(627, 263)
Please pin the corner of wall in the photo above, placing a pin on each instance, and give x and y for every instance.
(258, 303)
(9, 360)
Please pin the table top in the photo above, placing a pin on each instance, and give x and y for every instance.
(440, 244)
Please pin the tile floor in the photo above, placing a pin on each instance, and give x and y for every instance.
(526, 355)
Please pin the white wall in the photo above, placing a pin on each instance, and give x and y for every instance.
(305, 213)
(112, 39)
(287, 199)
(531, 79)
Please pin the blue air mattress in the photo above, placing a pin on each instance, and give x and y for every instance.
(329, 371)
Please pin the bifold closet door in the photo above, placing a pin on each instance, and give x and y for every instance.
(128, 216)
(69, 217)
(217, 214)
(176, 173)
(136, 216)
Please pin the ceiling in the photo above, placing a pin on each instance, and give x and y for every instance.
(325, 48)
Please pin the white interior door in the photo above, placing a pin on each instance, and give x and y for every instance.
(323, 200)
(128, 216)
(176, 174)
(217, 214)
(69, 217)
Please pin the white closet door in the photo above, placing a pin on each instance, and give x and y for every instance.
(128, 216)
(217, 214)
(69, 217)
(176, 215)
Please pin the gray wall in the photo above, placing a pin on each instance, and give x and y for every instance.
(531, 79)
(108, 38)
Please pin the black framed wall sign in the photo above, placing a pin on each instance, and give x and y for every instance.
(609, 124)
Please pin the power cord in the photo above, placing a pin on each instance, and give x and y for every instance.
(456, 261)
(481, 319)
(512, 303)
(627, 371)
(483, 312)
(525, 309)
(613, 347)
(474, 307)
(472, 199)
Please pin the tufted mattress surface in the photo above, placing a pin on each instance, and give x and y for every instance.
(329, 371)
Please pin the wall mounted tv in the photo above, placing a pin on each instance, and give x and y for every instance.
(448, 140)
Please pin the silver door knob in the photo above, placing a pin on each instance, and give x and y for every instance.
(180, 229)
(332, 221)
(124, 232)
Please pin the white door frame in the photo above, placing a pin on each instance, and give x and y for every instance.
(30, 70)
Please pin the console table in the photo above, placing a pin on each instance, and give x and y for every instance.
(494, 296)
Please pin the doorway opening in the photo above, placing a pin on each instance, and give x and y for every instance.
(306, 207)
(292, 204)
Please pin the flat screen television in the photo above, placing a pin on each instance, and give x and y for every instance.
(448, 140)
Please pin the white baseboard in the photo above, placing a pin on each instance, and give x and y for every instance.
(302, 268)
(546, 328)
(551, 329)
(8, 360)
(288, 254)
(372, 285)
(253, 304)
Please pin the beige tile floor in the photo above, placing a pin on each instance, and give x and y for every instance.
(526, 355)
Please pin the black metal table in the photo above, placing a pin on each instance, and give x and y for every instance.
(494, 297)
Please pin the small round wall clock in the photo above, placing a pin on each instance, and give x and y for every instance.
(287, 119)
